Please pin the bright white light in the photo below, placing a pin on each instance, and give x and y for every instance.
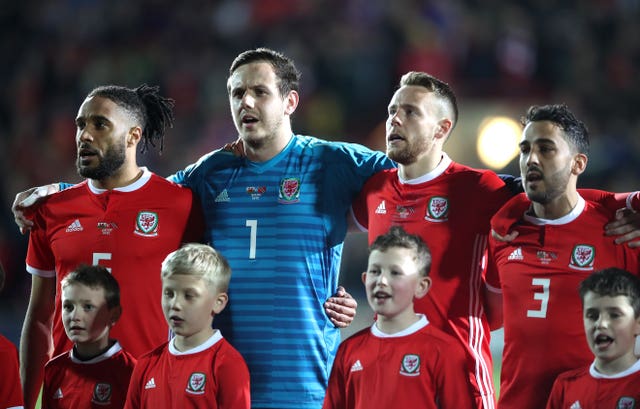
(498, 139)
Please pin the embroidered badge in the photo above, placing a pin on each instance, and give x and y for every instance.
(196, 383)
(101, 394)
(256, 192)
(106, 227)
(582, 257)
(147, 224)
(546, 257)
(626, 402)
(410, 365)
(437, 209)
(289, 190)
(402, 212)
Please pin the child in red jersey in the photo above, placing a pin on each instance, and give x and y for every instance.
(95, 373)
(417, 365)
(198, 368)
(611, 315)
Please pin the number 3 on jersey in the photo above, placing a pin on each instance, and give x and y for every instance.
(542, 296)
(253, 225)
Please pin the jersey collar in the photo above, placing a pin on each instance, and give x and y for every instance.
(445, 162)
(142, 180)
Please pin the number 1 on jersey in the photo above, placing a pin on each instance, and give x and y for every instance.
(542, 296)
(253, 224)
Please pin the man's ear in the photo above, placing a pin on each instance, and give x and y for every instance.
(444, 128)
(579, 163)
(134, 136)
(291, 102)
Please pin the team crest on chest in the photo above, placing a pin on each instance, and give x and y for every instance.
(410, 365)
(582, 257)
(437, 209)
(101, 394)
(289, 191)
(626, 402)
(146, 224)
(196, 383)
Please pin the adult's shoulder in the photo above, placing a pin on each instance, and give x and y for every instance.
(336, 149)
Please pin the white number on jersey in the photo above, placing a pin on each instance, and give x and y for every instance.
(101, 256)
(543, 296)
(253, 224)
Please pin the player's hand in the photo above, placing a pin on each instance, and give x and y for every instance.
(236, 147)
(27, 199)
(626, 227)
(509, 237)
(341, 308)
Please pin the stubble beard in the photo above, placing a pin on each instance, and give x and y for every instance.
(555, 186)
(409, 154)
(108, 164)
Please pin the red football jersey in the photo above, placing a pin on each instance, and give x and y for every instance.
(587, 389)
(539, 273)
(450, 208)
(10, 388)
(212, 375)
(420, 367)
(101, 382)
(129, 230)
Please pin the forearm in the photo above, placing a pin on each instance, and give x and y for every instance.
(35, 350)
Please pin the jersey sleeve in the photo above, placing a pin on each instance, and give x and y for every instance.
(335, 397)
(233, 376)
(359, 210)
(492, 278)
(556, 398)
(135, 385)
(612, 201)
(512, 211)
(40, 259)
(194, 231)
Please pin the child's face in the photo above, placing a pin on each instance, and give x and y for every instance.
(392, 282)
(189, 304)
(611, 327)
(85, 315)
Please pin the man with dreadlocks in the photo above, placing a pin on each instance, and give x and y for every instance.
(122, 217)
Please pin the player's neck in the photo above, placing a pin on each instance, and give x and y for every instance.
(269, 147)
(123, 177)
(556, 208)
(184, 343)
(85, 351)
(400, 322)
(615, 366)
(423, 165)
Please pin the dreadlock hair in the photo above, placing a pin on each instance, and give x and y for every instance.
(153, 111)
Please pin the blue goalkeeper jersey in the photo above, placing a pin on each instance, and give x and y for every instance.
(281, 225)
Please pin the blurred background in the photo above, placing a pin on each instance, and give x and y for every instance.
(499, 56)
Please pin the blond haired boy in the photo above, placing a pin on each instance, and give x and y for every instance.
(197, 368)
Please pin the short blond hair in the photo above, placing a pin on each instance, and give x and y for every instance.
(198, 260)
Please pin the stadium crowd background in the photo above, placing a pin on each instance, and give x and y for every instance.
(500, 57)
